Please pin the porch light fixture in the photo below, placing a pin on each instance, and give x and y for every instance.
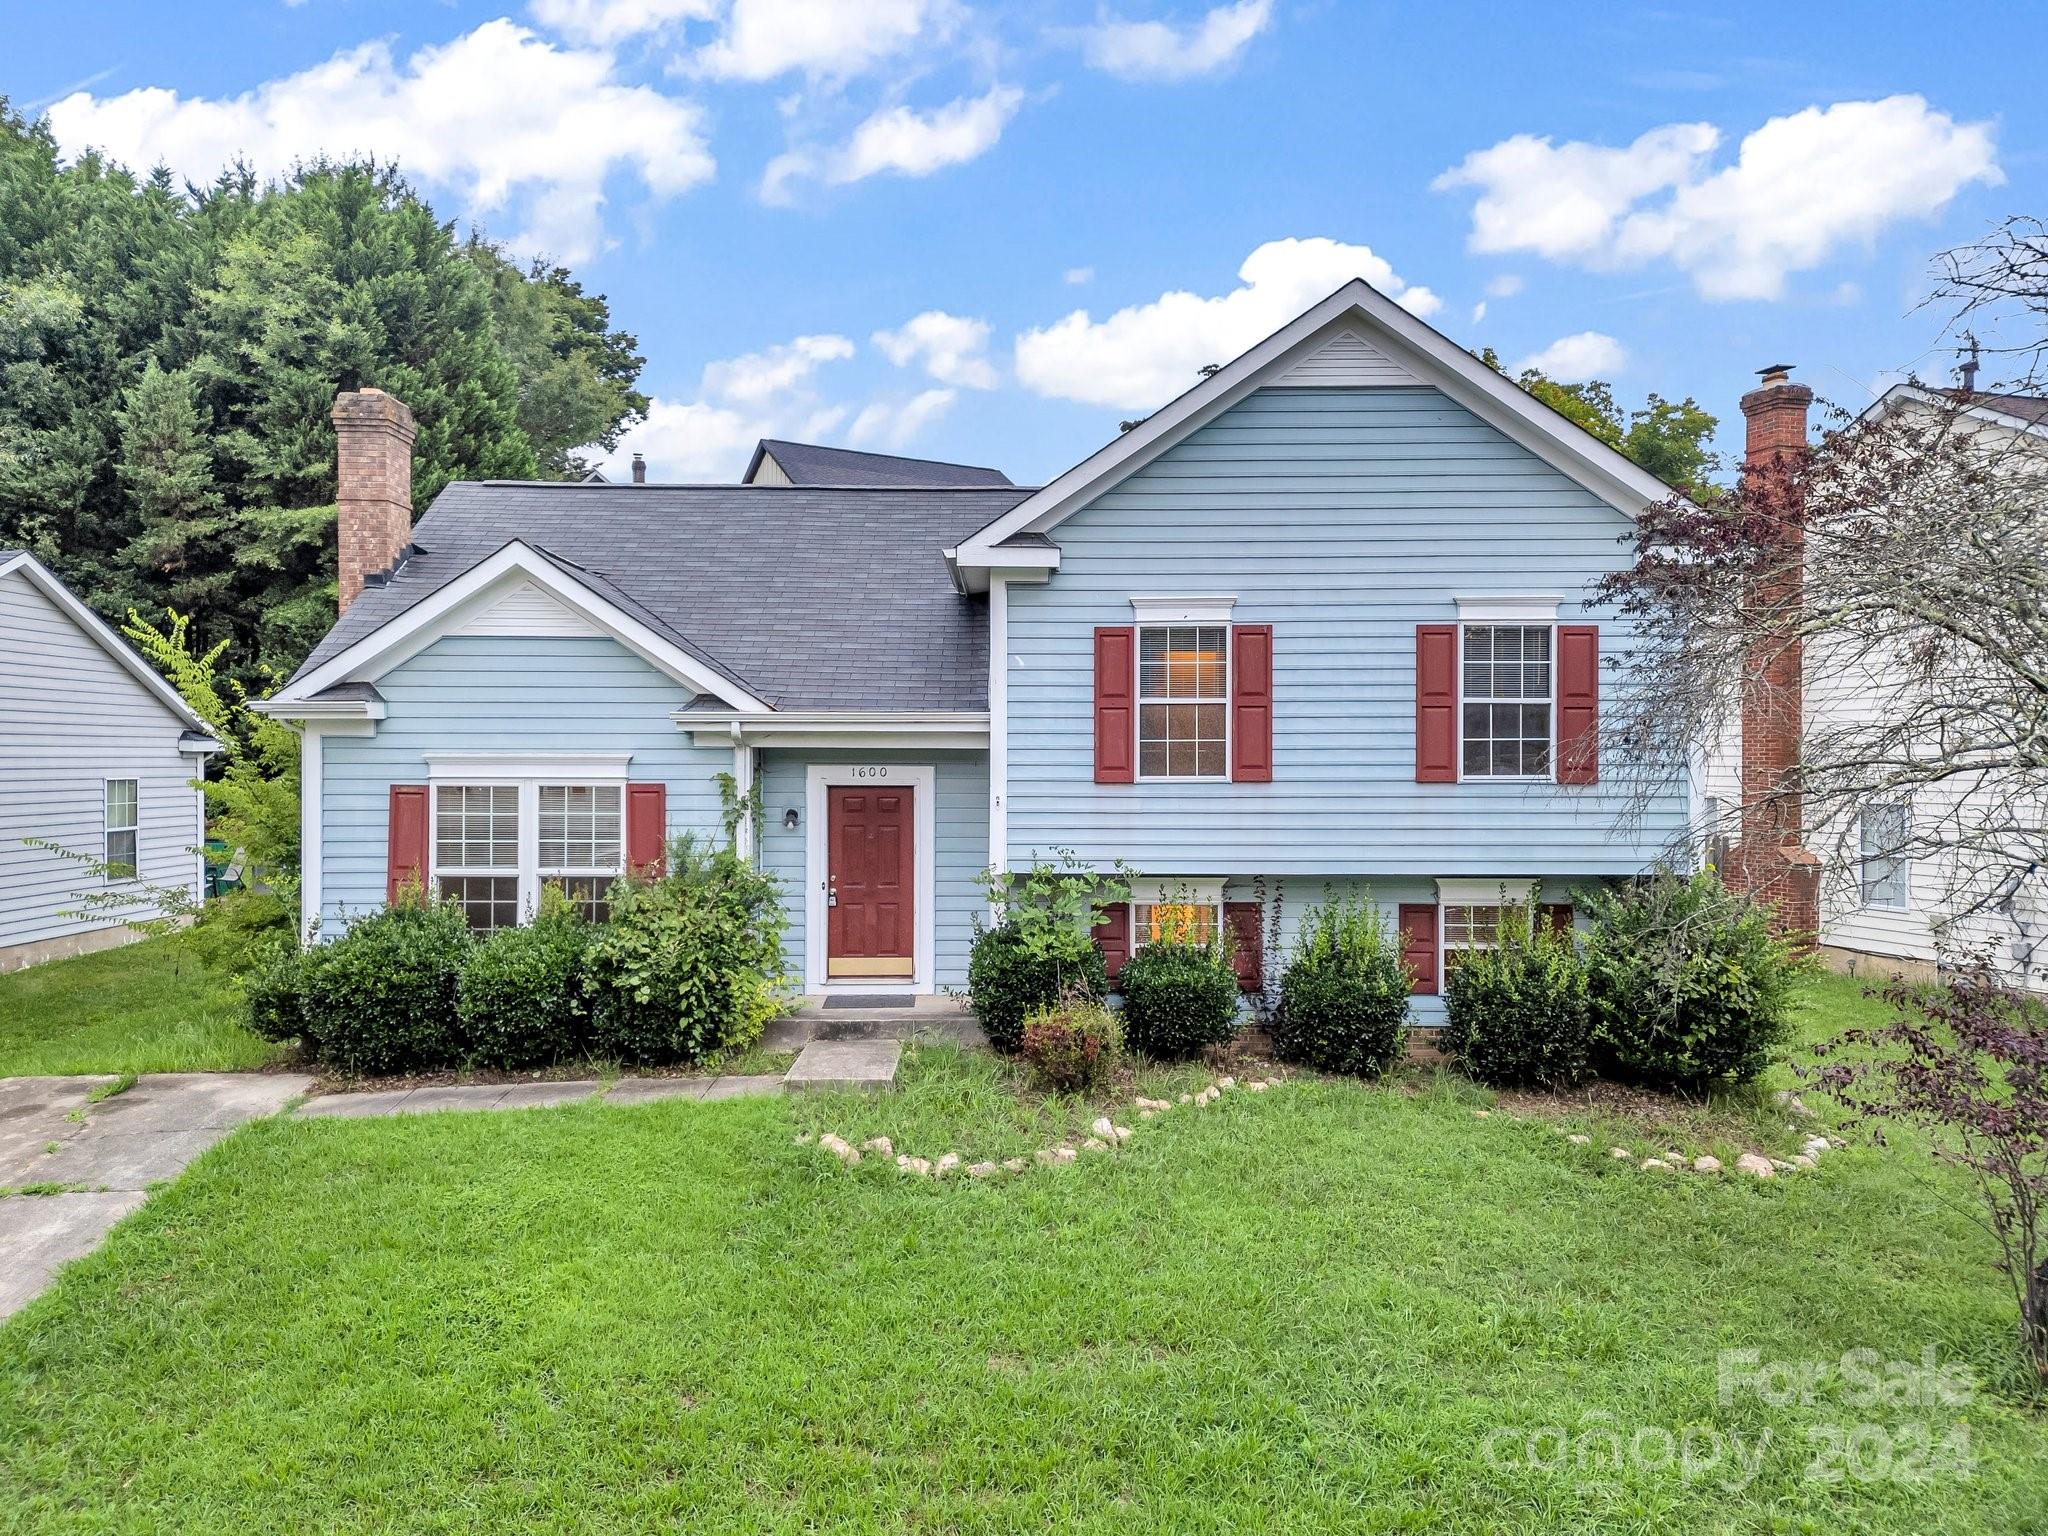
(789, 818)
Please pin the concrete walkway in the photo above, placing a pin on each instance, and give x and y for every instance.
(627, 1090)
(51, 1133)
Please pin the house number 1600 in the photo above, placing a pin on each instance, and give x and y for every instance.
(869, 772)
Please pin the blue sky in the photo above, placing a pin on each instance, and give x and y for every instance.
(989, 233)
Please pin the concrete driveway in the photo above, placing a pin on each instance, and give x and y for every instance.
(105, 1156)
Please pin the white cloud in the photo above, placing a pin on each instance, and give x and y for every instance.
(505, 119)
(1076, 277)
(1578, 357)
(613, 21)
(952, 348)
(1505, 286)
(1479, 311)
(1146, 354)
(759, 377)
(903, 142)
(829, 39)
(698, 440)
(1801, 187)
(1158, 50)
(894, 425)
(1420, 302)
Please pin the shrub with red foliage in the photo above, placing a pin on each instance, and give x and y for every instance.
(1071, 1047)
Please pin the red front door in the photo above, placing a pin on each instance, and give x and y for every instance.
(871, 883)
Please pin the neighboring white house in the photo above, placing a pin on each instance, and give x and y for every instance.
(98, 755)
(1889, 890)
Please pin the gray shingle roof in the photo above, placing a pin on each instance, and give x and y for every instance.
(811, 598)
(811, 464)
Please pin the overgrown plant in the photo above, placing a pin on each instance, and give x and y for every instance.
(1040, 946)
(521, 1001)
(1344, 997)
(1519, 1012)
(1180, 995)
(1072, 1046)
(1689, 985)
(1967, 1060)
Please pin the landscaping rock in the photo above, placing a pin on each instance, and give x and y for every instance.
(1047, 1154)
(1655, 1165)
(1094, 1144)
(1259, 1087)
(919, 1166)
(1064, 1154)
(946, 1164)
(1120, 1132)
(880, 1144)
(1015, 1164)
(1226, 1082)
(1103, 1128)
(1482, 1114)
(1752, 1163)
(1781, 1165)
(1621, 1153)
(980, 1170)
(1578, 1140)
(1706, 1165)
(1804, 1160)
(1187, 1098)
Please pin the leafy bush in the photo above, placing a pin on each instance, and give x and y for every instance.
(1689, 984)
(521, 1001)
(381, 998)
(1072, 1046)
(1519, 1013)
(274, 988)
(687, 964)
(1344, 997)
(1178, 997)
(1041, 948)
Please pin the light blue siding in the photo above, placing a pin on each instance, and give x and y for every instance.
(1344, 518)
(503, 694)
(961, 818)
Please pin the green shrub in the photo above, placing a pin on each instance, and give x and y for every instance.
(1344, 996)
(381, 998)
(1072, 1046)
(274, 988)
(1690, 987)
(521, 1001)
(1519, 1012)
(687, 964)
(242, 930)
(1041, 948)
(1178, 997)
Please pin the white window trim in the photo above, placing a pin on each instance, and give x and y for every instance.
(1139, 700)
(1477, 893)
(1508, 609)
(513, 768)
(922, 778)
(107, 829)
(1508, 778)
(1183, 610)
(1864, 860)
(528, 868)
(1159, 892)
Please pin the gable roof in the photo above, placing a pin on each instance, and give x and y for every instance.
(102, 634)
(1406, 343)
(790, 597)
(811, 464)
(2017, 413)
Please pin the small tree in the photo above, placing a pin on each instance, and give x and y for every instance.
(1967, 1060)
(1040, 947)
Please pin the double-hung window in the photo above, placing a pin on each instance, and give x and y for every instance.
(1475, 927)
(122, 818)
(1884, 829)
(1507, 697)
(496, 844)
(1183, 701)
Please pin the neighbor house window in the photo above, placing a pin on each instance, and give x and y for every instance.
(497, 845)
(1183, 701)
(476, 851)
(1506, 701)
(582, 840)
(1887, 872)
(122, 809)
(1174, 922)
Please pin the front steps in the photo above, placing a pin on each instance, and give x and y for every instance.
(930, 1020)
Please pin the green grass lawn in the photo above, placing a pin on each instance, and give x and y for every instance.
(1311, 1310)
(145, 1007)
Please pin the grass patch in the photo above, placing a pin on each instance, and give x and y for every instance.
(144, 1007)
(1304, 1310)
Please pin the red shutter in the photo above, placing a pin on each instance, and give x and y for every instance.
(1578, 703)
(1246, 922)
(1113, 938)
(405, 854)
(1418, 945)
(1436, 704)
(647, 829)
(1559, 915)
(1116, 705)
(1251, 703)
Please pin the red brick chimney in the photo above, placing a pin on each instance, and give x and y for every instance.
(1770, 859)
(373, 434)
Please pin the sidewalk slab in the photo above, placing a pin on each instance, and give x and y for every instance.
(35, 1111)
(125, 1160)
(41, 1233)
(543, 1095)
(355, 1106)
(647, 1090)
(191, 1101)
(744, 1087)
(425, 1101)
(841, 1065)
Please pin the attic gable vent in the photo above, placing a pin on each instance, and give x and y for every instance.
(1347, 359)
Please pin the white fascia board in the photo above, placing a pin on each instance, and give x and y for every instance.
(838, 727)
(1914, 394)
(320, 709)
(427, 620)
(1017, 566)
(101, 634)
(1420, 347)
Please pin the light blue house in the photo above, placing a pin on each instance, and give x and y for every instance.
(1325, 621)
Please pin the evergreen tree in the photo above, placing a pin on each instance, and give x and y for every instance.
(168, 476)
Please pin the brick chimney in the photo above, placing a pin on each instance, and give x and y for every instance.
(373, 434)
(1770, 859)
